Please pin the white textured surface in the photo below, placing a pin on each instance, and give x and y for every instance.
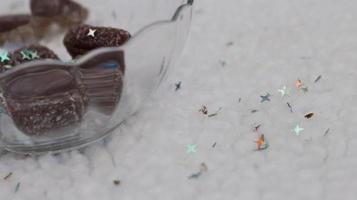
(275, 42)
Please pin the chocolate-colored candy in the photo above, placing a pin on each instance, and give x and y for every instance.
(33, 52)
(74, 13)
(10, 22)
(102, 80)
(64, 11)
(78, 41)
(26, 54)
(43, 98)
(6, 62)
(47, 8)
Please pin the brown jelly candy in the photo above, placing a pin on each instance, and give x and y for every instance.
(43, 98)
(10, 22)
(47, 8)
(16, 28)
(62, 11)
(6, 61)
(101, 80)
(25, 54)
(84, 38)
(33, 52)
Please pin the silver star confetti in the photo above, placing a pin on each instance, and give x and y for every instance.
(265, 98)
(26, 55)
(4, 56)
(34, 55)
(284, 91)
(91, 32)
(298, 130)
(191, 148)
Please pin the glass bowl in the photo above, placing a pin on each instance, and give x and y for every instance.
(59, 104)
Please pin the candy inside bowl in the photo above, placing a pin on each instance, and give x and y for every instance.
(73, 71)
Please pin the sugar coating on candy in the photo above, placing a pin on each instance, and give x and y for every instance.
(10, 22)
(36, 117)
(33, 52)
(102, 80)
(103, 87)
(47, 97)
(43, 100)
(6, 61)
(78, 41)
(51, 8)
(9, 60)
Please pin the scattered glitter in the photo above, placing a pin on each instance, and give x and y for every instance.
(26, 55)
(195, 175)
(178, 86)
(265, 98)
(91, 33)
(191, 148)
(213, 115)
(223, 63)
(309, 115)
(327, 131)
(203, 110)
(203, 167)
(116, 182)
(214, 145)
(8, 176)
(230, 44)
(34, 55)
(4, 56)
(298, 84)
(298, 130)
(29, 55)
(256, 128)
(262, 144)
(254, 111)
(305, 89)
(290, 107)
(216, 113)
(284, 91)
(317, 79)
(17, 187)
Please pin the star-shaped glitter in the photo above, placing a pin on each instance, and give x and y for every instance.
(297, 130)
(262, 143)
(178, 85)
(284, 92)
(265, 98)
(34, 55)
(298, 84)
(91, 32)
(26, 55)
(4, 56)
(191, 148)
(195, 175)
